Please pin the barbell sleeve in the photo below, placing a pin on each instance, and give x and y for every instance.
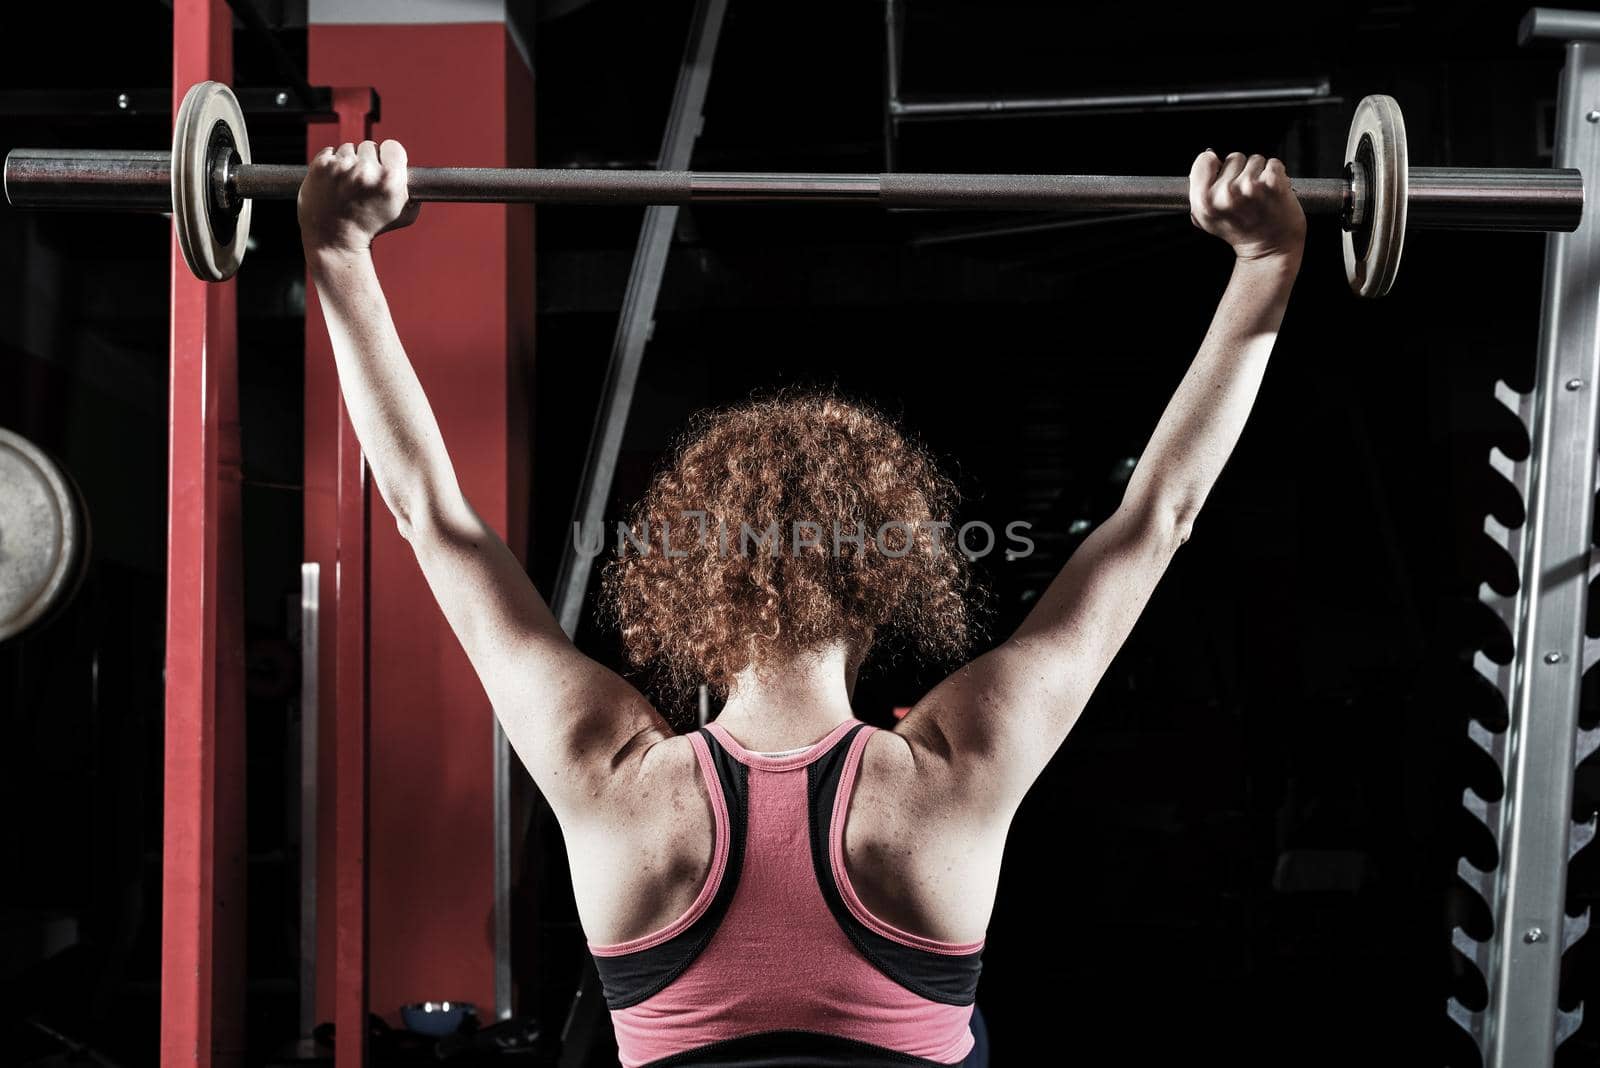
(1440, 197)
(88, 179)
(1486, 198)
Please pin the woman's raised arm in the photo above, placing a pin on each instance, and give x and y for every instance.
(991, 727)
(573, 722)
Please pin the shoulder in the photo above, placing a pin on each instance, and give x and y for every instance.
(899, 784)
(888, 759)
(653, 781)
(917, 857)
(641, 852)
(667, 771)
(930, 773)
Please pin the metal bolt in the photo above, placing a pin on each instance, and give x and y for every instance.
(122, 101)
(1553, 658)
(1532, 935)
(1593, 116)
(1574, 384)
(282, 99)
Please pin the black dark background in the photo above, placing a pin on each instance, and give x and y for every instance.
(1295, 700)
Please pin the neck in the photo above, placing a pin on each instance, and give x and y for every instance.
(791, 701)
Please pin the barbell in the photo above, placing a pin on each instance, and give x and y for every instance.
(207, 182)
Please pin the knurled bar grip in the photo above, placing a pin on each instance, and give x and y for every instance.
(1469, 198)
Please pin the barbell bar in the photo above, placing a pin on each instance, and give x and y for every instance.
(207, 181)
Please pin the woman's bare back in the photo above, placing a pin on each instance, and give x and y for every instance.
(928, 875)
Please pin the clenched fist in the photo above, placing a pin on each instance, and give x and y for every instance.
(1248, 202)
(352, 194)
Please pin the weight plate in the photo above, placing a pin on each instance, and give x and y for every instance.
(211, 235)
(43, 536)
(1377, 143)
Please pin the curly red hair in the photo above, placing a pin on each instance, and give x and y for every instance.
(728, 595)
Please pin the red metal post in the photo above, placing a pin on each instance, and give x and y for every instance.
(202, 947)
(460, 287)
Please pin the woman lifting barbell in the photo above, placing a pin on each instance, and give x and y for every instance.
(847, 873)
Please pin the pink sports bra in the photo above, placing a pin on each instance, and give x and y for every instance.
(777, 962)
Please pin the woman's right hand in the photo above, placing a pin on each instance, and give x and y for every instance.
(352, 194)
(1249, 202)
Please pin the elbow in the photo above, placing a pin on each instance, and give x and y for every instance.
(423, 516)
(1180, 524)
(1165, 510)
(409, 508)
(1169, 521)
(405, 522)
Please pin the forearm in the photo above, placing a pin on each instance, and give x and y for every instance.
(1202, 422)
(390, 413)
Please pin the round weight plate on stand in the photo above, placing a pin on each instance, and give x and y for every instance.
(208, 133)
(1377, 145)
(43, 535)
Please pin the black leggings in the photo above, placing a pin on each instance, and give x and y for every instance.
(979, 1057)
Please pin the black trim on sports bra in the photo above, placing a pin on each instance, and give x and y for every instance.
(797, 1049)
(946, 978)
(633, 977)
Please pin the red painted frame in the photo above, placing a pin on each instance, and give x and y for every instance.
(203, 847)
(203, 841)
(462, 307)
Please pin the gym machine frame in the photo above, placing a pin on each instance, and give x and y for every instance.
(208, 181)
(1525, 891)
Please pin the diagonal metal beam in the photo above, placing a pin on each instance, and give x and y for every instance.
(638, 312)
(634, 327)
